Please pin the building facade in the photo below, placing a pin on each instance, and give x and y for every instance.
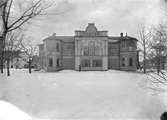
(89, 50)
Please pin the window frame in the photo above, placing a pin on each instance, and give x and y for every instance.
(123, 61)
(130, 61)
(57, 47)
(58, 62)
(50, 60)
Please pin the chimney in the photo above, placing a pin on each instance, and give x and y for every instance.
(91, 24)
(121, 34)
(54, 34)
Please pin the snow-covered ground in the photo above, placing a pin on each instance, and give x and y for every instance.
(81, 95)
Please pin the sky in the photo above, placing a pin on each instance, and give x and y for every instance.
(116, 16)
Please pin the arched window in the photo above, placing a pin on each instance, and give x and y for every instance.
(130, 62)
(57, 47)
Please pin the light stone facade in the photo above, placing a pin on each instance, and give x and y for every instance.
(89, 50)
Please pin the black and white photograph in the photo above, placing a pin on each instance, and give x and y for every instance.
(83, 59)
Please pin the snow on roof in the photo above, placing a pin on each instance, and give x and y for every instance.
(63, 38)
(71, 38)
(114, 38)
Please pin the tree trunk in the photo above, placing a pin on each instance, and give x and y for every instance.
(1, 62)
(158, 65)
(144, 61)
(2, 56)
(29, 65)
(2, 50)
(8, 68)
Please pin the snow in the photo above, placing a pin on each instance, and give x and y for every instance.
(10, 112)
(81, 95)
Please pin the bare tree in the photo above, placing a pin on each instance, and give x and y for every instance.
(11, 48)
(2, 3)
(157, 80)
(144, 43)
(15, 14)
(29, 49)
(159, 45)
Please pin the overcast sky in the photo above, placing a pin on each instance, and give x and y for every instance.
(113, 15)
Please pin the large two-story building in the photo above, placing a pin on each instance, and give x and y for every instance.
(90, 49)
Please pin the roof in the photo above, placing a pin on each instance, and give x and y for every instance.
(63, 38)
(117, 38)
(71, 38)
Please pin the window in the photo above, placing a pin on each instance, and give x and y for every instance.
(130, 62)
(92, 51)
(97, 63)
(123, 62)
(123, 44)
(97, 50)
(58, 62)
(130, 48)
(85, 63)
(92, 48)
(50, 62)
(57, 47)
(86, 51)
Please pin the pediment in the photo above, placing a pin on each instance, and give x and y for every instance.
(91, 28)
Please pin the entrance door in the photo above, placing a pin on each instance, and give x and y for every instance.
(91, 64)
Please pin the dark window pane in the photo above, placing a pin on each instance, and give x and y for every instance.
(130, 62)
(50, 62)
(97, 63)
(123, 62)
(85, 63)
(57, 47)
(58, 62)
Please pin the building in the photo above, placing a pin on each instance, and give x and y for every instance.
(19, 61)
(90, 49)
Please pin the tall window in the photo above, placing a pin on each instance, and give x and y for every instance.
(91, 51)
(97, 50)
(57, 47)
(58, 62)
(86, 51)
(123, 44)
(123, 62)
(97, 63)
(130, 62)
(50, 62)
(85, 63)
(91, 48)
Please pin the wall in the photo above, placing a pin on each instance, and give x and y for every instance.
(127, 56)
(51, 52)
(68, 60)
(41, 56)
(113, 55)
